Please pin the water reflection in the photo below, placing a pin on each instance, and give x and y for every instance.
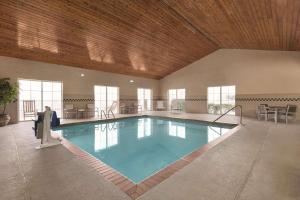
(144, 127)
(139, 147)
(106, 135)
(215, 132)
(177, 129)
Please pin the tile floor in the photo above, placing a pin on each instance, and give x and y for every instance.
(259, 161)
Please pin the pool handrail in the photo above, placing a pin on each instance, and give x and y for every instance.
(103, 112)
(241, 114)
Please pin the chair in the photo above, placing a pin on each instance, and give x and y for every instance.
(69, 110)
(289, 112)
(177, 105)
(29, 109)
(137, 107)
(263, 110)
(160, 105)
(80, 113)
(123, 108)
(91, 110)
(134, 108)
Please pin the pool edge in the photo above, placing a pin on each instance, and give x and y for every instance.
(125, 184)
(143, 115)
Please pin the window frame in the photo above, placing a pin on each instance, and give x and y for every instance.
(220, 98)
(143, 91)
(176, 95)
(42, 100)
(107, 95)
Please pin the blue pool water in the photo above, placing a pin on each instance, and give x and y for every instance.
(141, 146)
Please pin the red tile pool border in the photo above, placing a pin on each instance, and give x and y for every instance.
(136, 190)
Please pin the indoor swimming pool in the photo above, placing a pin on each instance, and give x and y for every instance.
(139, 147)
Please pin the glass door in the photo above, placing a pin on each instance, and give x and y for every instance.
(220, 99)
(144, 98)
(112, 94)
(176, 94)
(214, 100)
(171, 96)
(29, 90)
(105, 96)
(52, 96)
(228, 99)
(44, 93)
(100, 97)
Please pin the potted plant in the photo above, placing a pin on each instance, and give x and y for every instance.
(8, 94)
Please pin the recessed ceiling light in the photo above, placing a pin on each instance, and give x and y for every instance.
(82, 75)
(131, 81)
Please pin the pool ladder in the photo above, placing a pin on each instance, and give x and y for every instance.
(106, 115)
(241, 114)
(108, 127)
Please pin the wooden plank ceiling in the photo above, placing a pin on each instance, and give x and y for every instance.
(245, 24)
(148, 38)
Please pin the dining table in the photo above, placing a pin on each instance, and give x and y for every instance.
(276, 110)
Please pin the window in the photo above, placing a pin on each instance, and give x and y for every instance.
(177, 129)
(220, 99)
(106, 135)
(44, 93)
(144, 98)
(105, 96)
(176, 94)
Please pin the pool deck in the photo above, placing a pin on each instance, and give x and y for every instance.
(259, 161)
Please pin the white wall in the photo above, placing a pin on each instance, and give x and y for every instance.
(256, 74)
(74, 86)
(259, 76)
